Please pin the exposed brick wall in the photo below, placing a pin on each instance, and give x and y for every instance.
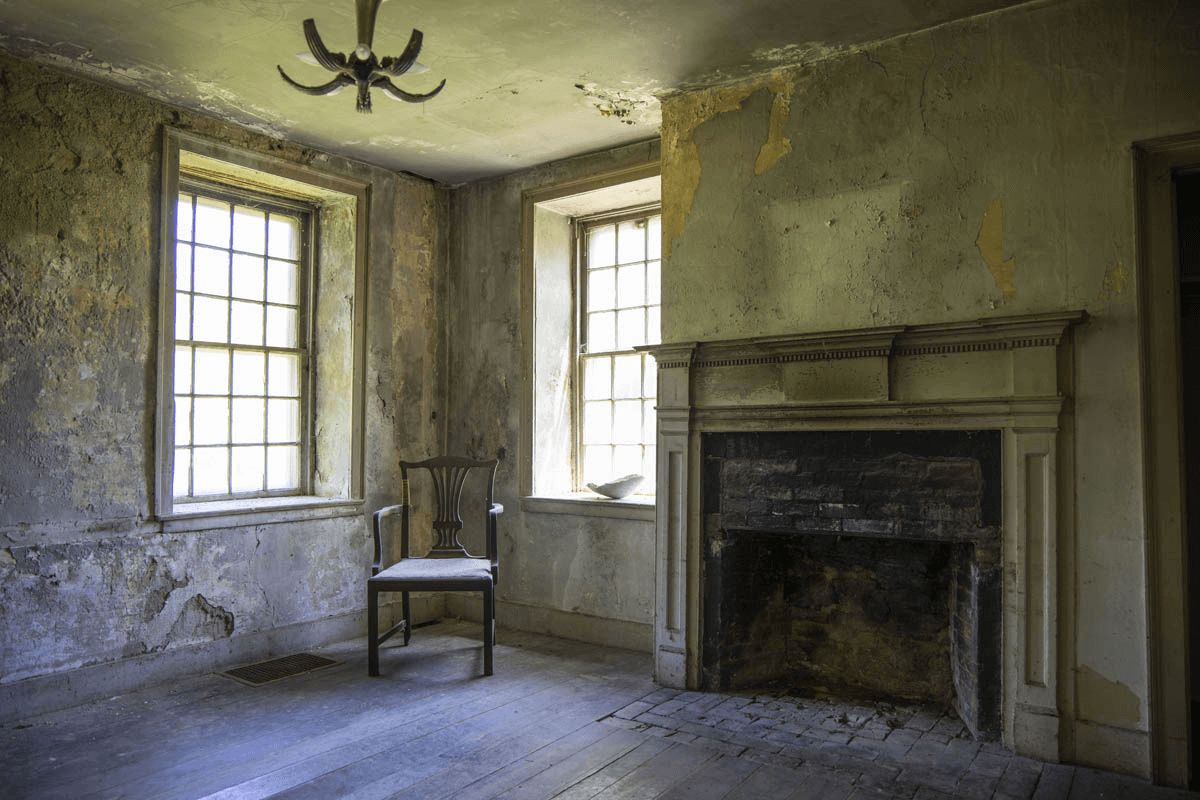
(861, 564)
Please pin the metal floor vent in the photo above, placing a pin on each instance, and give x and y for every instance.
(277, 669)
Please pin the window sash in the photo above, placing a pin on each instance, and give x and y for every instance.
(618, 302)
(214, 424)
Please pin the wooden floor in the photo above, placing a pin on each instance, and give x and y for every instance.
(559, 719)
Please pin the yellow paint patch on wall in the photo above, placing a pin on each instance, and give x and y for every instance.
(777, 145)
(990, 242)
(1104, 701)
(683, 113)
(1116, 279)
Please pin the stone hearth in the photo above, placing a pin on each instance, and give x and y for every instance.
(1005, 377)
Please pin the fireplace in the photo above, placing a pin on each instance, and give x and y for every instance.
(835, 509)
(858, 564)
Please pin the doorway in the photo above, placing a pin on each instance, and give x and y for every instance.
(1187, 217)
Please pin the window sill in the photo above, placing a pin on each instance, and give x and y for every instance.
(586, 504)
(256, 511)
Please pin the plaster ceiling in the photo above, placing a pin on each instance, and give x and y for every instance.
(527, 82)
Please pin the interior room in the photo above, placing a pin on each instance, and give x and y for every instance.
(888, 304)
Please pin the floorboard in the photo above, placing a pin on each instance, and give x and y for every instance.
(559, 719)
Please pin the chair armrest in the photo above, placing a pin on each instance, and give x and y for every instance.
(376, 533)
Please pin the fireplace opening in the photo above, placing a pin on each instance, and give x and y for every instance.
(855, 564)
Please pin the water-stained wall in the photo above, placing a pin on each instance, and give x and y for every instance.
(980, 168)
(87, 575)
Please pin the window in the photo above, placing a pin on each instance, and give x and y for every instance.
(590, 296)
(619, 310)
(261, 391)
(242, 266)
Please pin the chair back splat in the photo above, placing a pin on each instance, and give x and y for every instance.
(448, 474)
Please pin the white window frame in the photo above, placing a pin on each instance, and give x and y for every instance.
(585, 351)
(306, 214)
(332, 480)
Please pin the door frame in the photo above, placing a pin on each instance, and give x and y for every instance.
(1156, 162)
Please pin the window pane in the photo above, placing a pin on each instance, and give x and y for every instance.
(597, 419)
(654, 283)
(283, 237)
(249, 230)
(627, 376)
(627, 460)
(212, 371)
(281, 326)
(650, 378)
(249, 420)
(602, 251)
(212, 222)
(183, 267)
(249, 373)
(183, 315)
(211, 420)
(283, 467)
(183, 370)
(631, 327)
(653, 325)
(631, 285)
(601, 289)
(649, 423)
(600, 334)
(597, 378)
(246, 323)
(211, 320)
(649, 469)
(283, 421)
(212, 471)
(282, 283)
(212, 271)
(248, 468)
(183, 472)
(183, 421)
(597, 464)
(183, 218)
(654, 238)
(283, 375)
(627, 422)
(631, 241)
(248, 281)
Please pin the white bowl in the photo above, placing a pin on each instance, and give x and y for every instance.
(618, 488)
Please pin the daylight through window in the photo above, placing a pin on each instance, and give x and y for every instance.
(240, 346)
(619, 302)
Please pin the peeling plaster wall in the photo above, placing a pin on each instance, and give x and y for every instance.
(572, 575)
(980, 168)
(86, 575)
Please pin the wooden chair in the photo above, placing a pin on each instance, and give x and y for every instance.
(447, 567)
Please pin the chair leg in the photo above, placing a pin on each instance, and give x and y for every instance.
(489, 629)
(372, 631)
(407, 617)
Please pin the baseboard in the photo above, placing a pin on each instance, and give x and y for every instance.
(45, 693)
(552, 621)
(1117, 749)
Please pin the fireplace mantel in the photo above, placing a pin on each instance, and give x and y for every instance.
(1011, 374)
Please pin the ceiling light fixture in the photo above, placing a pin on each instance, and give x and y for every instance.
(362, 68)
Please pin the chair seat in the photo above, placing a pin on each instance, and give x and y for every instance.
(416, 570)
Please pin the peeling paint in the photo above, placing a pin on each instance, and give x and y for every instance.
(777, 145)
(630, 106)
(684, 113)
(1106, 701)
(990, 242)
(1116, 279)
